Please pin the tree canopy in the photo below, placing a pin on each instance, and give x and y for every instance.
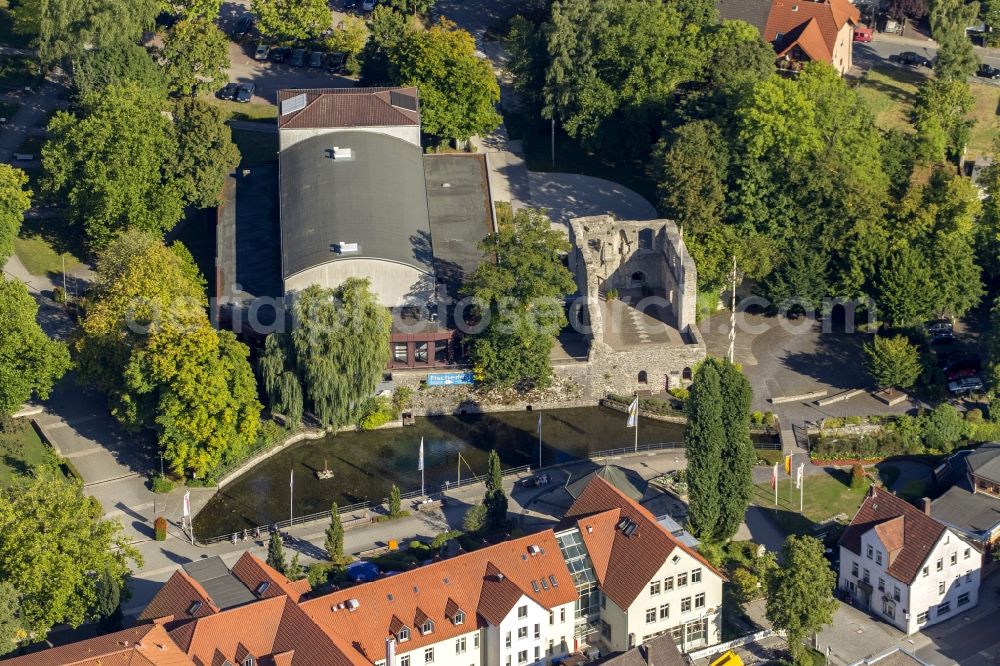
(99, 68)
(15, 200)
(704, 441)
(893, 362)
(206, 153)
(956, 59)
(738, 455)
(800, 592)
(288, 20)
(30, 362)
(196, 56)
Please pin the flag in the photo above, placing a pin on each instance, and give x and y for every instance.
(291, 479)
(420, 460)
(633, 414)
(788, 464)
(798, 476)
(774, 477)
(187, 504)
(539, 423)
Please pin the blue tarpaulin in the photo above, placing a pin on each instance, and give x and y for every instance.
(360, 572)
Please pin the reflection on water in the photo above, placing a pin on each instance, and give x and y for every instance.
(366, 464)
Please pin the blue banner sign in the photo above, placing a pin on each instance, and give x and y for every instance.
(449, 378)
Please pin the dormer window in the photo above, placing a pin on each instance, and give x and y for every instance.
(248, 661)
(428, 627)
(459, 617)
(403, 635)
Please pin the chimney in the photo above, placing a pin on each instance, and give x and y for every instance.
(390, 651)
(926, 505)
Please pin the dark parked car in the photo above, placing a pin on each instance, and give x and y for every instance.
(943, 340)
(938, 326)
(244, 24)
(350, 4)
(280, 54)
(229, 91)
(910, 58)
(988, 72)
(246, 92)
(261, 52)
(335, 62)
(299, 58)
(316, 59)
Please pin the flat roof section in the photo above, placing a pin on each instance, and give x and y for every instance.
(225, 589)
(369, 202)
(247, 244)
(458, 204)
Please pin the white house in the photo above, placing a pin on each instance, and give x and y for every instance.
(904, 567)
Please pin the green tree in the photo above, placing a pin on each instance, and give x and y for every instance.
(334, 542)
(388, 31)
(281, 385)
(413, 6)
(893, 362)
(67, 28)
(944, 103)
(206, 153)
(495, 500)
(287, 20)
(956, 59)
(905, 287)
(350, 36)
(800, 593)
(99, 68)
(341, 341)
(197, 8)
(521, 292)
(944, 428)
(295, 570)
(474, 520)
(30, 362)
(740, 58)
(738, 455)
(395, 504)
(799, 280)
(528, 60)
(15, 200)
(276, 553)
(113, 164)
(704, 440)
(11, 630)
(55, 549)
(196, 56)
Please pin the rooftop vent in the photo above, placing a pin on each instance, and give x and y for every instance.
(262, 588)
(446, 581)
(352, 604)
(533, 549)
(389, 596)
(194, 608)
(499, 576)
(590, 529)
(445, 184)
(342, 153)
(346, 248)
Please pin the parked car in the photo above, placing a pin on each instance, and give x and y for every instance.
(943, 339)
(335, 62)
(316, 59)
(947, 357)
(299, 58)
(246, 92)
(910, 58)
(280, 54)
(367, 5)
(965, 385)
(229, 91)
(862, 35)
(988, 72)
(244, 24)
(350, 4)
(261, 52)
(962, 367)
(937, 326)
(535, 481)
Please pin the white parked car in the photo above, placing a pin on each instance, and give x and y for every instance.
(965, 385)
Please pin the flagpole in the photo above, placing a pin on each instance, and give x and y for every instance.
(775, 478)
(802, 485)
(539, 440)
(422, 494)
(291, 493)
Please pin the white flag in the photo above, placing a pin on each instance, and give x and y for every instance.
(187, 504)
(291, 479)
(539, 429)
(633, 414)
(798, 475)
(420, 460)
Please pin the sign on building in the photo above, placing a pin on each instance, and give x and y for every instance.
(449, 378)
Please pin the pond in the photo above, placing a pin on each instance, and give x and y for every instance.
(366, 464)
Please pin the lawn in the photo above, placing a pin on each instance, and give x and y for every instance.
(825, 496)
(21, 449)
(770, 457)
(43, 245)
(987, 126)
(238, 111)
(256, 147)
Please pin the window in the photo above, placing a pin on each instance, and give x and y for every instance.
(654, 588)
(881, 584)
(552, 617)
(940, 564)
(854, 569)
(522, 633)
(664, 611)
(562, 614)
(475, 640)
(507, 641)
(508, 660)
(944, 608)
(967, 553)
(926, 571)
(968, 576)
(420, 352)
(522, 657)
(249, 660)
(399, 354)
(963, 598)
(460, 645)
(686, 605)
(538, 631)
(404, 634)
(645, 239)
(538, 653)
(522, 612)
(922, 618)
(868, 552)
(889, 609)
(650, 615)
(941, 588)
(866, 577)
(440, 351)
(878, 557)
(428, 627)
(668, 583)
(429, 655)
(459, 617)
(643, 377)
(895, 592)
(696, 576)
(699, 600)
(404, 660)
(552, 647)
(682, 580)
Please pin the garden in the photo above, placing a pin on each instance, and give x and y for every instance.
(834, 493)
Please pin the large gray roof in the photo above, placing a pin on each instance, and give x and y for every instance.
(376, 199)
(225, 589)
(985, 461)
(754, 12)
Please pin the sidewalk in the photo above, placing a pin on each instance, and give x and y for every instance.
(32, 114)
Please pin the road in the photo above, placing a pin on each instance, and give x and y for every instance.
(883, 46)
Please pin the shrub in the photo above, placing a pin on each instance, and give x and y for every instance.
(402, 398)
(853, 420)
(756, 418)
(974, 415)
(833, 422)
(162, 484)
(679, 392)
(611, 295)
(711, 552)
(987, 431)
(270, 432)
(857, 476)
(444, 537)
(376, 412)
(475, 519)
(770, 419)
(748, 584)
(59, 295)
(318, 573)
(160, 528)
(944, 428)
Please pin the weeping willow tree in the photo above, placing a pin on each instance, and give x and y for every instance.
(281, 384)
(340, 346)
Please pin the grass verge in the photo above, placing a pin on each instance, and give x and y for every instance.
(889, 92)
(21, 450)
(42, 247)
(825, 496)
(238, 111)
(256, 147)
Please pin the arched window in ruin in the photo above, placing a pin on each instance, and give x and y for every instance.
(643, 377)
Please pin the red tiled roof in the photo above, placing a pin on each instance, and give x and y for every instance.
(918, 531)
(349, 107)
(139, 646)
(251, 571)
(434, 590)
(813, 26)
(645, 551)
(176, 598)
(598, 534)
(499, 595)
